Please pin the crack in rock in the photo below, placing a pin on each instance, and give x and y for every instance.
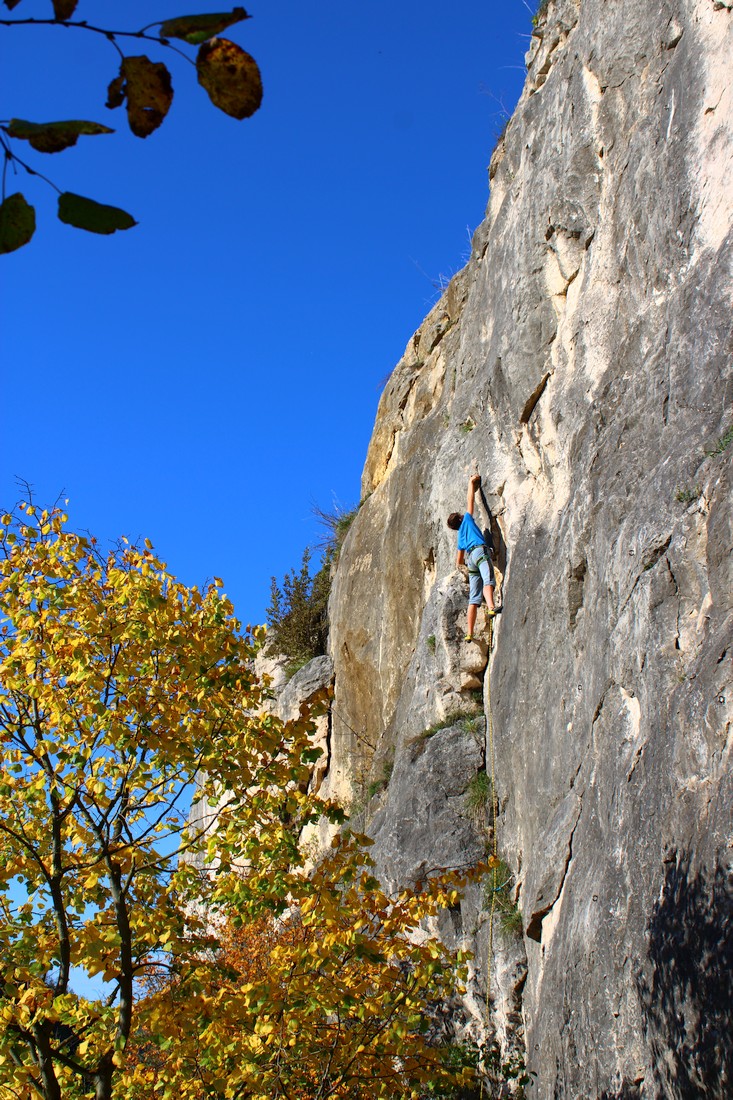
(534, 925)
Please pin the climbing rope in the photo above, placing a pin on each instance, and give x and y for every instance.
(494, 842)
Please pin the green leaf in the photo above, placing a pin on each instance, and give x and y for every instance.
(17, 223)
(147, 87)
(309, 756)
(64, 9)
(196, 29)
(52, 137)
(230, 76)
(92, 216)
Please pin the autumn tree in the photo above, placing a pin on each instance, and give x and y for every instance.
(123, 691)
(228, 74)
(120, 689)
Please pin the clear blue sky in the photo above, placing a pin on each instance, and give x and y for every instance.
(205, 377)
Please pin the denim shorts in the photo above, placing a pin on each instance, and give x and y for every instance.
(479, 575)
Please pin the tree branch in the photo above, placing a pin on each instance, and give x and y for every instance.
(110, 35)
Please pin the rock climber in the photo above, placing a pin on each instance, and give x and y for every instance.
(476, 555)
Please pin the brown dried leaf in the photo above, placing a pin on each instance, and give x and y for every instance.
(116, 92)
(230, 76)
(64, 9)
(149, 93)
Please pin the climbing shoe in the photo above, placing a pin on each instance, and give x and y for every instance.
(468, 638)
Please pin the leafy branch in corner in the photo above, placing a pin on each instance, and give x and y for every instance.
(228, 74)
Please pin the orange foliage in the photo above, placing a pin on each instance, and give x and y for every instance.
(335, 998)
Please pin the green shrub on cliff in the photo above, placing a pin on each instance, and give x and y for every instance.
(297, 616)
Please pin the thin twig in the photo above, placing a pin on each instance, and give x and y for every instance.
(10, 155)
(110, 35)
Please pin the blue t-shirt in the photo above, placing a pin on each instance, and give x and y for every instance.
(469, 533)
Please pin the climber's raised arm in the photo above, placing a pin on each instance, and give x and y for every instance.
(473, 483)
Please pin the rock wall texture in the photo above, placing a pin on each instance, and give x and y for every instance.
(582, 362)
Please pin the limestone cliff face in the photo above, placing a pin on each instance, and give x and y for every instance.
(582, 362)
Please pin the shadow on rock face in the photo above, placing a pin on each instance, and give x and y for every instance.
(688, 1007)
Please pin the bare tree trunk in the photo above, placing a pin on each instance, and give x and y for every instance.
(42, 1045)
(103, 1078)
(105, 1067)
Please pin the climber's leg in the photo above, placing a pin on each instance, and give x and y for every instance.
(475, 596)
(471, 621)
(487, 576)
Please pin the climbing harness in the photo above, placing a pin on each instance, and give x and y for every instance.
(494, 843)
(478, 561)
